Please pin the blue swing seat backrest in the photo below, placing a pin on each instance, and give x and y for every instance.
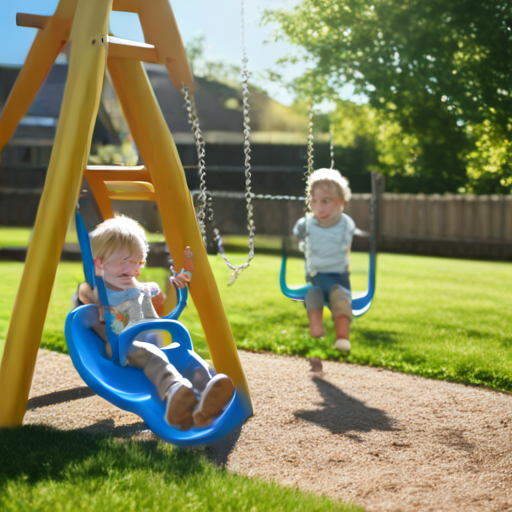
(360, 305)
(127, 387)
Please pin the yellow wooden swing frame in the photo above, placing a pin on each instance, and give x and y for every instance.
(85, 23)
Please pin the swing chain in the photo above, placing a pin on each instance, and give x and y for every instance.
(247, 145)
(193, 120)
(205, 213)
(311, 162)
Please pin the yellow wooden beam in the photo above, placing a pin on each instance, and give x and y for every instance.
(161, 30)
(116, 168)
(126, 49)
(31, 20)
(56, 208)
(157, 148)
(124, 6)
(129, 186)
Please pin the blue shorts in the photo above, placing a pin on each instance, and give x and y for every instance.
(325, 281)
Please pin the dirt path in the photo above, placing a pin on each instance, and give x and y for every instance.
(386, 441)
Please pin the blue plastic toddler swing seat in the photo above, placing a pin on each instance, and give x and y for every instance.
(127, 387)
(360, 305)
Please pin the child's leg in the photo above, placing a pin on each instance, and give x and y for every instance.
(314, 302)
(341, 306)
(181, 398)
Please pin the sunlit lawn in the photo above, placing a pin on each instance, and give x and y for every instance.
(20, 237)
(435, 317)
(50, 470)
(431, 316)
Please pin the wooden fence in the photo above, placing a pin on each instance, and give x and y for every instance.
(444, 225)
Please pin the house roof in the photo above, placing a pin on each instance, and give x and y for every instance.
(219, 108)
(36, 127)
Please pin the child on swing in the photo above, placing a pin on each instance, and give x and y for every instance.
(326, 236)
(119, 248)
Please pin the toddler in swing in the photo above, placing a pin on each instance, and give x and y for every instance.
(326, 236)
(119, 249)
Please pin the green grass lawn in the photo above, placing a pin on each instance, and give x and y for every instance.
(50, 470)
(20, 237)
(435, 317)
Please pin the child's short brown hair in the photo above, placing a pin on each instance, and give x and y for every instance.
(118, 233)
(332, 179)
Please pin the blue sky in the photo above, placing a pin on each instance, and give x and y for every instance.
(219, 21)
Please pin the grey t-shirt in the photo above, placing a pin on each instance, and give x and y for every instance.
(326, 248)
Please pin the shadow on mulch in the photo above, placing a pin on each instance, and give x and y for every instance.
(342, 413)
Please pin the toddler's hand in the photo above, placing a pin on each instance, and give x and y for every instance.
(181, 280)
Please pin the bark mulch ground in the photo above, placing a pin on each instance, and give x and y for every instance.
(385, 441)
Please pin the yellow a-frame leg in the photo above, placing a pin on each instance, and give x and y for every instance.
(157, 148)
(69, 155)
(64, 177)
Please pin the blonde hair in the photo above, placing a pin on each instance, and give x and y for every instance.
(332, 179)
(118, 233)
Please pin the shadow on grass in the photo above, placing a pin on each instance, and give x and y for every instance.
(38, 453)
(373, 337)
(342, 413)
(108, 427)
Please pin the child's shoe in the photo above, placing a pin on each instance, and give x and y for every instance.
(216, 396)
(342, 345)
(181, 402)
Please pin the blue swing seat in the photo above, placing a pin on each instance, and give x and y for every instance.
(360, 305)
(127, 387)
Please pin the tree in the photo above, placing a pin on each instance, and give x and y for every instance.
(441, 70)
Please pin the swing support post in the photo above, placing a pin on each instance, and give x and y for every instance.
(63, 181)
(86, 23)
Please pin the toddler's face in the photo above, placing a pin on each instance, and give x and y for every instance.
(326, 205)
(122, 268)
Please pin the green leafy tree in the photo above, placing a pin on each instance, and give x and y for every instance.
(204, 67)
(110, 154)
(438, 73)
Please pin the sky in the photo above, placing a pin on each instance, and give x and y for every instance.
(220, 22)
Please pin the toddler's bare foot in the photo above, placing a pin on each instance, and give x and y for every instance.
(316, 332)
(216, 396)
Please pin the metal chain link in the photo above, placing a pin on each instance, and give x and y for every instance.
(241, 195)
(311, 161)
(221, 194)
(205, 197)
(193, 120)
